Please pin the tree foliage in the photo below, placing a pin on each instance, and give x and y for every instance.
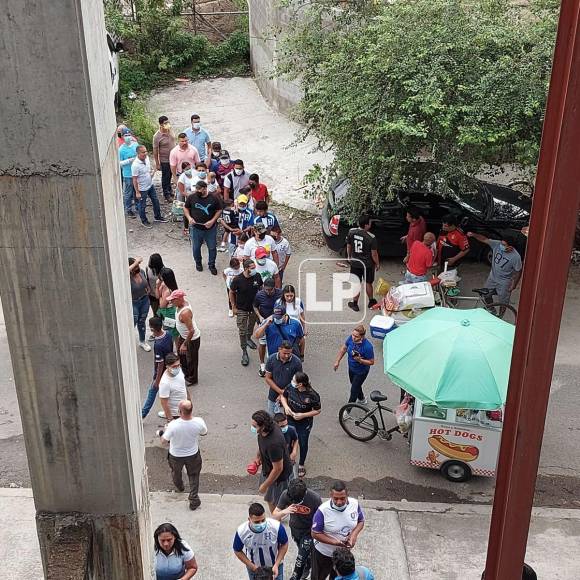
(463, 84)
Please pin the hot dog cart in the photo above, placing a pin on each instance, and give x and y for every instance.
(458, 442)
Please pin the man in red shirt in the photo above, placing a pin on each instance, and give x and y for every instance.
(452, 244)
(420, 259)
(417, 229)
(259, 191)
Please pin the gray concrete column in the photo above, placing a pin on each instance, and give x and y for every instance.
(65, 291)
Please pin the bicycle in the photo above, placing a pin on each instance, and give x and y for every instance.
(449, 298)
(360, 421)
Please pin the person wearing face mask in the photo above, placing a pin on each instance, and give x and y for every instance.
(280, 369)
(214, 159)
(163, 143)
(506, 266)
(185, 182)
(182, 435)
(225, 166)
(337, 523)
(300, 503)
(273, 456)
(235, 180)
(301, 404)
(172, 388)
(261, 542)
(198, 137)
(128, 154)
(230, 222)
(361, 357)
(258, 190)
(189, 337)
(182, 152)
(283, 249)
(201, 170)
(261, 239)
(265, 267)
(291, 438)
(143, 183)
(243, 290)
(280, 327)
(263, 307)
(123, 130)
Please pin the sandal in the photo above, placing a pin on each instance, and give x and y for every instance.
(301, 471)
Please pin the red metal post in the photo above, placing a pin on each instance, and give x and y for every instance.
(554, 214)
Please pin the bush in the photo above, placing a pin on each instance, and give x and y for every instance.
(140, 122)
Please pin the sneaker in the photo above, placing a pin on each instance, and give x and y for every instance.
(222, 248)
(245, 358)
(131, 214)
(213, 270)
(161, 220)
(363, 401)
(145, 346)
(353, 306)
(251, 344)
(180, 489)
(193, 506)
(150, 338)
(372, 302)
(147, 224)
(161, 414)
(262, 371)
(199, 267)
(231, 313)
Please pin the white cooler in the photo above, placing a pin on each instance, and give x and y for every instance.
(381, 326)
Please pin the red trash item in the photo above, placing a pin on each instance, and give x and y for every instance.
(252, 468)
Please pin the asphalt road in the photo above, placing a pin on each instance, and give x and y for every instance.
(228, 394)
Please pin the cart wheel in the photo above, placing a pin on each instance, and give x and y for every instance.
(456, 471)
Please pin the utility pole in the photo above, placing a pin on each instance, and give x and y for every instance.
(65, 292)
(552, 227)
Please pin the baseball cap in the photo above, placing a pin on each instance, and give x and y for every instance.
(261, 252)
(260, 227)
(224, 154)
(242, 199)
(125, 131)
(176, 294)
(269, 283)
(279, 312)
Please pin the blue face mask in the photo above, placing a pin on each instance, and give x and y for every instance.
(284, 429)
(294, 384)
(202, 174)
(278, 320)
(258, 528)
(253, 430)
(127, 139)
(338, 508)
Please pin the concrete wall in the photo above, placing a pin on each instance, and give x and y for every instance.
(265, 20)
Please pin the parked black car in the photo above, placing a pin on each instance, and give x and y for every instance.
(489, 209)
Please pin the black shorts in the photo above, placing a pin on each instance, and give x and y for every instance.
(358, 270)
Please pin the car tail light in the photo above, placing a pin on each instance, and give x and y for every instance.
(333, 225)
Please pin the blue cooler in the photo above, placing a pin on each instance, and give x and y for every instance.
(381, 326)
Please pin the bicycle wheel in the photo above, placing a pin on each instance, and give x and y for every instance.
(358, 422)
(504, 311)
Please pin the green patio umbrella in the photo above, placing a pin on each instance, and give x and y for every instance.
(458, 359)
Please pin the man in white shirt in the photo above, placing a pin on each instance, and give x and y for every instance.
(283, 248)
(172, 388)
(336, 523)
(142, 175)
(265, 267)
(260, 239)
(182, 436)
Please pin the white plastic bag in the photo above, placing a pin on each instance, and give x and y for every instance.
(404, 414)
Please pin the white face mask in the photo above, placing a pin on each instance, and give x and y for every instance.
(225, 162)
(239, 171)
(196, 126)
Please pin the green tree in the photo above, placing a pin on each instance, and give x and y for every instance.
(385, 84)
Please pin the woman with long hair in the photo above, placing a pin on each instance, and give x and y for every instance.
(166, 284)
(294, 305)
(301, 404)
(139, 298)
(152, 274)
(174, 559)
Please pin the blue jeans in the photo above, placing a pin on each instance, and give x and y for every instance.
(128, 194)
(273, 407)
(356, 383)
(280, 576)
(198, 237)
(151, 396)
(412, 279)
(303, 428)
(140, 311)
(154, 202)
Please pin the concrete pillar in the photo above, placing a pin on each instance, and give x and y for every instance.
(65, 291)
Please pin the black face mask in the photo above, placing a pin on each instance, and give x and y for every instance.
(261, 236)
(119, 135)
